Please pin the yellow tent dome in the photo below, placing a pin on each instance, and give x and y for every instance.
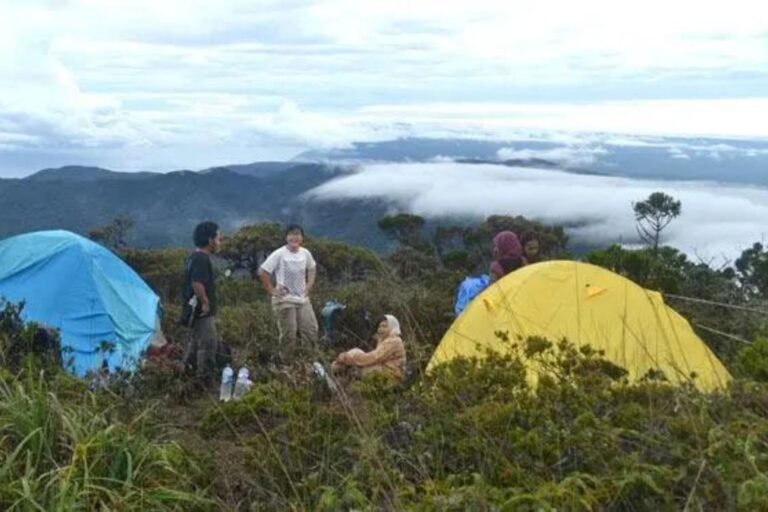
(585, 304)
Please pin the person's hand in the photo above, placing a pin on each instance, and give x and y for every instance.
(279, 292)
(205, 308)
(336, 366)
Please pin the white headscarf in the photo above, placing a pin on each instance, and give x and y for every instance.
(394, 326)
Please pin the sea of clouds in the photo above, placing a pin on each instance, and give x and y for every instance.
(717, 221)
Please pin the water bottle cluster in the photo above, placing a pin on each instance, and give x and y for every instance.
(232, 389)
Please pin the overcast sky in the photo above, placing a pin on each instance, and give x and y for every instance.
(167, 84)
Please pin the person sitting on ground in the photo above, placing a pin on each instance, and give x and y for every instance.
(388, 357)
(531, 247)
(507, 253)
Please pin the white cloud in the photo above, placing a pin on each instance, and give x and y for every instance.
(315, 130)
(712, 118)
(716, 220)
(676, 152)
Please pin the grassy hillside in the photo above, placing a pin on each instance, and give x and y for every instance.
(468, 436)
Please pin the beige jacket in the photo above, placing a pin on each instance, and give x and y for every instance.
(388, 356)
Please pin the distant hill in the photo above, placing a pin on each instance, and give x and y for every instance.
(257, 170)
(76, 173)
(166, 207)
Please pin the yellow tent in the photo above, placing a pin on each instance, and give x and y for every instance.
(585, 304)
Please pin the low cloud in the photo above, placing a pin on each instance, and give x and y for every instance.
(717, 220)
(678, 154)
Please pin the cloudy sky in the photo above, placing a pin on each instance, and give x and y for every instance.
(165, 84)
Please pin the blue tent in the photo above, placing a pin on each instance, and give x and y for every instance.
(85, 291)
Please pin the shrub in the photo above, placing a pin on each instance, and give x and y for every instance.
(22, 342)
(163, 270)
(752, 361)
(250, 328)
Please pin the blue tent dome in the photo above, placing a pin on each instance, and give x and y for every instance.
(84, 290)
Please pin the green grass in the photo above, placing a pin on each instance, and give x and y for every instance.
(74, 453)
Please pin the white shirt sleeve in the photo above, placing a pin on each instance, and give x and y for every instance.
(272, 262)
(311, 264)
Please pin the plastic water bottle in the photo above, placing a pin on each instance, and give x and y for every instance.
(319, 371)
(225, 395)
(242, 384)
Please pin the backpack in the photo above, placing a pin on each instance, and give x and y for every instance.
(470, 288)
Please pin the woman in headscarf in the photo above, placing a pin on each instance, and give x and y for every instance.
(388, 357)
(507, 254)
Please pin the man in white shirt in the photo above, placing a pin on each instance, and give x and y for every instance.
(293, 269)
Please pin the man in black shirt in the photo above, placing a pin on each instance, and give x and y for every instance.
(200, 291)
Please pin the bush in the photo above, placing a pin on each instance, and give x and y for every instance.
(22, 342)
(752, 361)
(340, 263)
(475, 434)
(251, 329)
(163, 270)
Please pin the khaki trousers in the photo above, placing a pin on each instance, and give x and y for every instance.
(295, 321)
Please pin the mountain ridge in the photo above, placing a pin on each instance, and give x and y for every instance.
(167, 206)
